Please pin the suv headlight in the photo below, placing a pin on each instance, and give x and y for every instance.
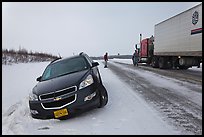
(33, 97)
(88, 81)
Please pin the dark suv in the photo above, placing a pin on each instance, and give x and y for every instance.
(68, 86)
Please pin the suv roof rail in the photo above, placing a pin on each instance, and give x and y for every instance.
(55, 59)
(81, 53)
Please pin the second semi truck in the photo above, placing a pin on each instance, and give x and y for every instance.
(177, 41)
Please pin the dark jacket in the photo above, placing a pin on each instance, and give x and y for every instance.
(135, 55)
(105, 57)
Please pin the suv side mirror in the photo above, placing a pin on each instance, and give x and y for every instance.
(39, 78)
(94, 64)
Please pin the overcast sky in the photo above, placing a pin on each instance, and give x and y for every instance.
(95, 28)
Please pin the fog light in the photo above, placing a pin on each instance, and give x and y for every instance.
(89, 97)
(34, 112)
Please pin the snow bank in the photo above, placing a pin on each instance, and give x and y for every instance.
(125, 114)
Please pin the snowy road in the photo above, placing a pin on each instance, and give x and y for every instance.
(180, 102)
(127, 112)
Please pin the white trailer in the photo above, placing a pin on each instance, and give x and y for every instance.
(178, 40)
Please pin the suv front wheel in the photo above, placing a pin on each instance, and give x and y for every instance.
(103, 96)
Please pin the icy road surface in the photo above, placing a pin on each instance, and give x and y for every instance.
(179, 101)
(126, 112)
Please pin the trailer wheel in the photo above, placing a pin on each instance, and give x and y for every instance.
(169, 65)
(155, 62)
(162, 63)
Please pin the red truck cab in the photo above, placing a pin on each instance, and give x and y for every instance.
(146, 50)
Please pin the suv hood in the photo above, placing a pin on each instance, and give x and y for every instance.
(59, 83)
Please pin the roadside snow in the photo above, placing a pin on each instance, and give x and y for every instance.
(17, 80)
(126, 113)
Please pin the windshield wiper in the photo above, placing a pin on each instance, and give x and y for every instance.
(70, 72)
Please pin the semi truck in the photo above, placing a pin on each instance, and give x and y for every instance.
(177, 41)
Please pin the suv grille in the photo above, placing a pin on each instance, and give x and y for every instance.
(62, 102)
(57, 93)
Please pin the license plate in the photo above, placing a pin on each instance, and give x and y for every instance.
(60, 113)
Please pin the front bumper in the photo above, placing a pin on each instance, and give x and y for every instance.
(86, 99)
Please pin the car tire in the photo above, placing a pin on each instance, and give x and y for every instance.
(103, 96)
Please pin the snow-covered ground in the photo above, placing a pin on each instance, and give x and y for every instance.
(126, 113)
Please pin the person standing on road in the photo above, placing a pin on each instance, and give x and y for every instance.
(105, 57)
(135, 58)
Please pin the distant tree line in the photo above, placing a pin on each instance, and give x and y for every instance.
(23, 56)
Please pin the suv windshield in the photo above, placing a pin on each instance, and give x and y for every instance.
(64, 67)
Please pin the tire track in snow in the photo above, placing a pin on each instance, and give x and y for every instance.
(178, 109)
